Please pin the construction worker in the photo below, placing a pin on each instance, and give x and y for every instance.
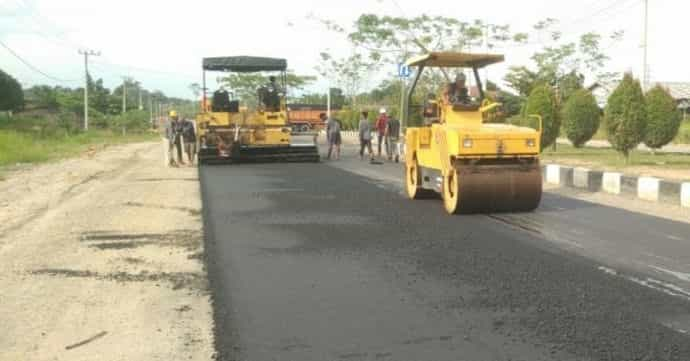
(189, 137)
(332, 135)
(173, 132)
(381, 124)
(365, 136)
(393, 139)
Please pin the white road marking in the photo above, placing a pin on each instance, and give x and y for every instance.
(665, 287)
(675, 238)
(680, 275)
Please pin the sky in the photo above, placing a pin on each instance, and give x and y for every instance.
(161, 43)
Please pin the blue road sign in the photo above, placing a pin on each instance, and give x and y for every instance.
(404, 71)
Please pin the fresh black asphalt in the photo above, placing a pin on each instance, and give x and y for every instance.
(312, 262)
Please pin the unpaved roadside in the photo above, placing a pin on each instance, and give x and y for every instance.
(100, 259)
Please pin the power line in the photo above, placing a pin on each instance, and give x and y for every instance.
(32, 67)
(53, 28)
(145, 70)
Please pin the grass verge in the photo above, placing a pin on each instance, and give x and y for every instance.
(22, 147)
(660, 164)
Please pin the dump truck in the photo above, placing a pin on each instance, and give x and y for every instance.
(475, 167)
(307, 117)
(230, 132)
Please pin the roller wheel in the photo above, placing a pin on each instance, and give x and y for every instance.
(502, 190)
(451, 192)
(413, 182)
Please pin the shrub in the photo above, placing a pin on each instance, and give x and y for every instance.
(625, 116)
(543, 102)
(581, 117)
(11, 94)
(133, 120)
(663, 118)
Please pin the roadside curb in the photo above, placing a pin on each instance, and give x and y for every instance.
(646, 188)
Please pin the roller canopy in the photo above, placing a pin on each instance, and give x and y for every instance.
(244, 64)
(455, 60)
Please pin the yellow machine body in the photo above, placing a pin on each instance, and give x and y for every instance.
(251, 128)
(475, 166)
(236, 134)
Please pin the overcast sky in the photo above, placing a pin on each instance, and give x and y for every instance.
(161, 43)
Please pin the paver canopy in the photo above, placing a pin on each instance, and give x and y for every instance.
(455, 60)
(244, 64)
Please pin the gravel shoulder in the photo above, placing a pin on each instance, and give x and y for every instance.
(101, 260)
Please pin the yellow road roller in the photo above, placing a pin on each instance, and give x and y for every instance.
(476, 167)
(230, 133)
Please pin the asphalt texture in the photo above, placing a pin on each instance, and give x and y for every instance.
(330, 261)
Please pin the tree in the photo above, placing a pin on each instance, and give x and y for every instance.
(245, 85)
(98, 95)
(663, 118)
(42, 96)
(523, 80)
(195, 88)
(543, 102)
(11, 94)
(581, 117)
(511, 103)
(563, 64)
(388, 37)
(625, 116)
(349, 73)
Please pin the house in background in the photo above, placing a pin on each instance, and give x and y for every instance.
(680, 91)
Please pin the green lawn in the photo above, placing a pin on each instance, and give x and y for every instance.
(25, 147)
(604, 158)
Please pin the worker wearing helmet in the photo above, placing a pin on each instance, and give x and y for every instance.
(173, 132)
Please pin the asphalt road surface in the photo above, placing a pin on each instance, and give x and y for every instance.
(330, 261)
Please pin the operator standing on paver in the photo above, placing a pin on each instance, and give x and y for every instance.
(381, 123)
(189, 137)
(365, 136)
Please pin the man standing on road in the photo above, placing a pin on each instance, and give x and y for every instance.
(365, 136)
(381, 122)
(173, 133)
(393, 139)
(333, 135)
(189, 137)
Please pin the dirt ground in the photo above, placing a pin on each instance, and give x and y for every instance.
(100, 259)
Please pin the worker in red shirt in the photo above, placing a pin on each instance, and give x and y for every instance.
(381, 126)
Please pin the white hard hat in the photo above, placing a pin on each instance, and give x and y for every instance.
(382, 110)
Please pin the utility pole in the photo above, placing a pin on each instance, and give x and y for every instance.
(86, 54)
(486, 47)
(124, 94)
(141, 105)
(151, 111)
(328, 101)
(645, 65)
